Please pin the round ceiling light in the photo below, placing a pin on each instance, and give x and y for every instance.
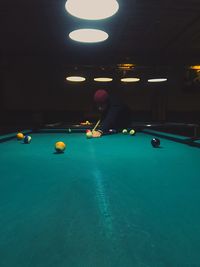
(75, 79)
(157, 80)
(92, 9)
(88, 35)
(130, 80)
(103, 79)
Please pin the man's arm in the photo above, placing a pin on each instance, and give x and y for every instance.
(110, 119)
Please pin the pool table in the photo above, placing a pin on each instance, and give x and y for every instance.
(113, 201)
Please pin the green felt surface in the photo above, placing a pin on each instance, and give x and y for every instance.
(108, 202)
(163, 134)
(12, 135)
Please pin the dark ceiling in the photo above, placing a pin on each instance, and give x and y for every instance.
(144, 32)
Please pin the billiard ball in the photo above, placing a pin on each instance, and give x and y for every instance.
(27, 139)
(112, 131)
(124, 131)
(155, 142)
(69, 130)
(89, 134)
(88, 130)
(20, 136)
(132, 132)
(60, 147)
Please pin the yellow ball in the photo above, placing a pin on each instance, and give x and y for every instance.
(60, 147)
(20, 136)
(89, 134)
(132, 132)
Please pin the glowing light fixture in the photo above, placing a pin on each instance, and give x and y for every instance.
(195, 67)
(126, 66)
(130, 80)
(157, 80)
(92, 9)
(103, 79)
(75, 79)
(88, 35)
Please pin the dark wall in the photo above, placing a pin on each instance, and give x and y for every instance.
(38, 87)
(27, 86)
(183, 97)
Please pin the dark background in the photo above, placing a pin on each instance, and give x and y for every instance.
(161, 37)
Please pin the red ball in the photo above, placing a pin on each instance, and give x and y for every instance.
(88, 130)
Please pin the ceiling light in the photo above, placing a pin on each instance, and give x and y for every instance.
(130, 80)
(157, 80)
(75, 79)
(88, 35)
(195, 67)
(103, 79)
(92, 9)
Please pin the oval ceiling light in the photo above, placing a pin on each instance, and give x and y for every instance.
(88, 35)
(92, 9)
(75, 79)
(157, 80)
(130, 80)
(103, 79)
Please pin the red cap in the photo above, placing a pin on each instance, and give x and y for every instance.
(101, 96)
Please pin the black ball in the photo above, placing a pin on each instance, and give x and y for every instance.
(155, 142)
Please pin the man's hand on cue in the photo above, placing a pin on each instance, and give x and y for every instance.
(96, 134)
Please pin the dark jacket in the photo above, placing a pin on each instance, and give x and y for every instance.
(116, 116)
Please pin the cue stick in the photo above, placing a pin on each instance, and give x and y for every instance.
(96, 125)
